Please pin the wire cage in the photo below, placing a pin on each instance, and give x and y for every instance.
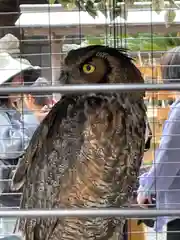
(36, 36)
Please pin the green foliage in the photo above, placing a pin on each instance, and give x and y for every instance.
(95, 41)
(147, 42)
(115, 8)
(139, 41)
(52, 1)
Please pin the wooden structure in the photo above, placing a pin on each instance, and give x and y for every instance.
(135, 232)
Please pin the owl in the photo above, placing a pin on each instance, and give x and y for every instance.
(87, 152)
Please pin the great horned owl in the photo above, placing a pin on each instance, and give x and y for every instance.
(87, 151)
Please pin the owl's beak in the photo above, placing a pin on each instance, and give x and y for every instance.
(63, 79)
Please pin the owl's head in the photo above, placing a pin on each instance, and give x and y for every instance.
(99, 64)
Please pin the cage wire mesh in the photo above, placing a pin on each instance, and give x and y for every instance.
(37, 37)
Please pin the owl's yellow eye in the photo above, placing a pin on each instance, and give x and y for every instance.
(88, 68)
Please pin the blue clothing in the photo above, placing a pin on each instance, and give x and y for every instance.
(15, 132)
(29, 120)
(163, 178)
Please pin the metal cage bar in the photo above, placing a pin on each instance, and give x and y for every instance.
(137, 213)
(90, 88)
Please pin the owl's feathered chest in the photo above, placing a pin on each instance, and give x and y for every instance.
(98, 134)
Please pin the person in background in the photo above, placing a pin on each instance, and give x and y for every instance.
(15, 133)
(39, 104)
(163, 179)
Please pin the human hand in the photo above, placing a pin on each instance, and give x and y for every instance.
(40, 115)
(143, 201)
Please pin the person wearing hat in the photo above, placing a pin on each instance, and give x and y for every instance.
(163, 179)
(15, 132)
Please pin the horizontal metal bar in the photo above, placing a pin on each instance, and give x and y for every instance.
(90, 88)
(89, 213)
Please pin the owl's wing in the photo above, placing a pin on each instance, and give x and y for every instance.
(53, 148)
(39, 138)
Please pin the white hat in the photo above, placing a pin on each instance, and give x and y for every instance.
(9, 67)
(23, 60)
(10, 44)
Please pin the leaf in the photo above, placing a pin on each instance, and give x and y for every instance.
(52, 1)
(157, 5)
(91, 8)
(169, 17)
(173, 4)
(172, 39)
(101, 6)
(71, 6)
